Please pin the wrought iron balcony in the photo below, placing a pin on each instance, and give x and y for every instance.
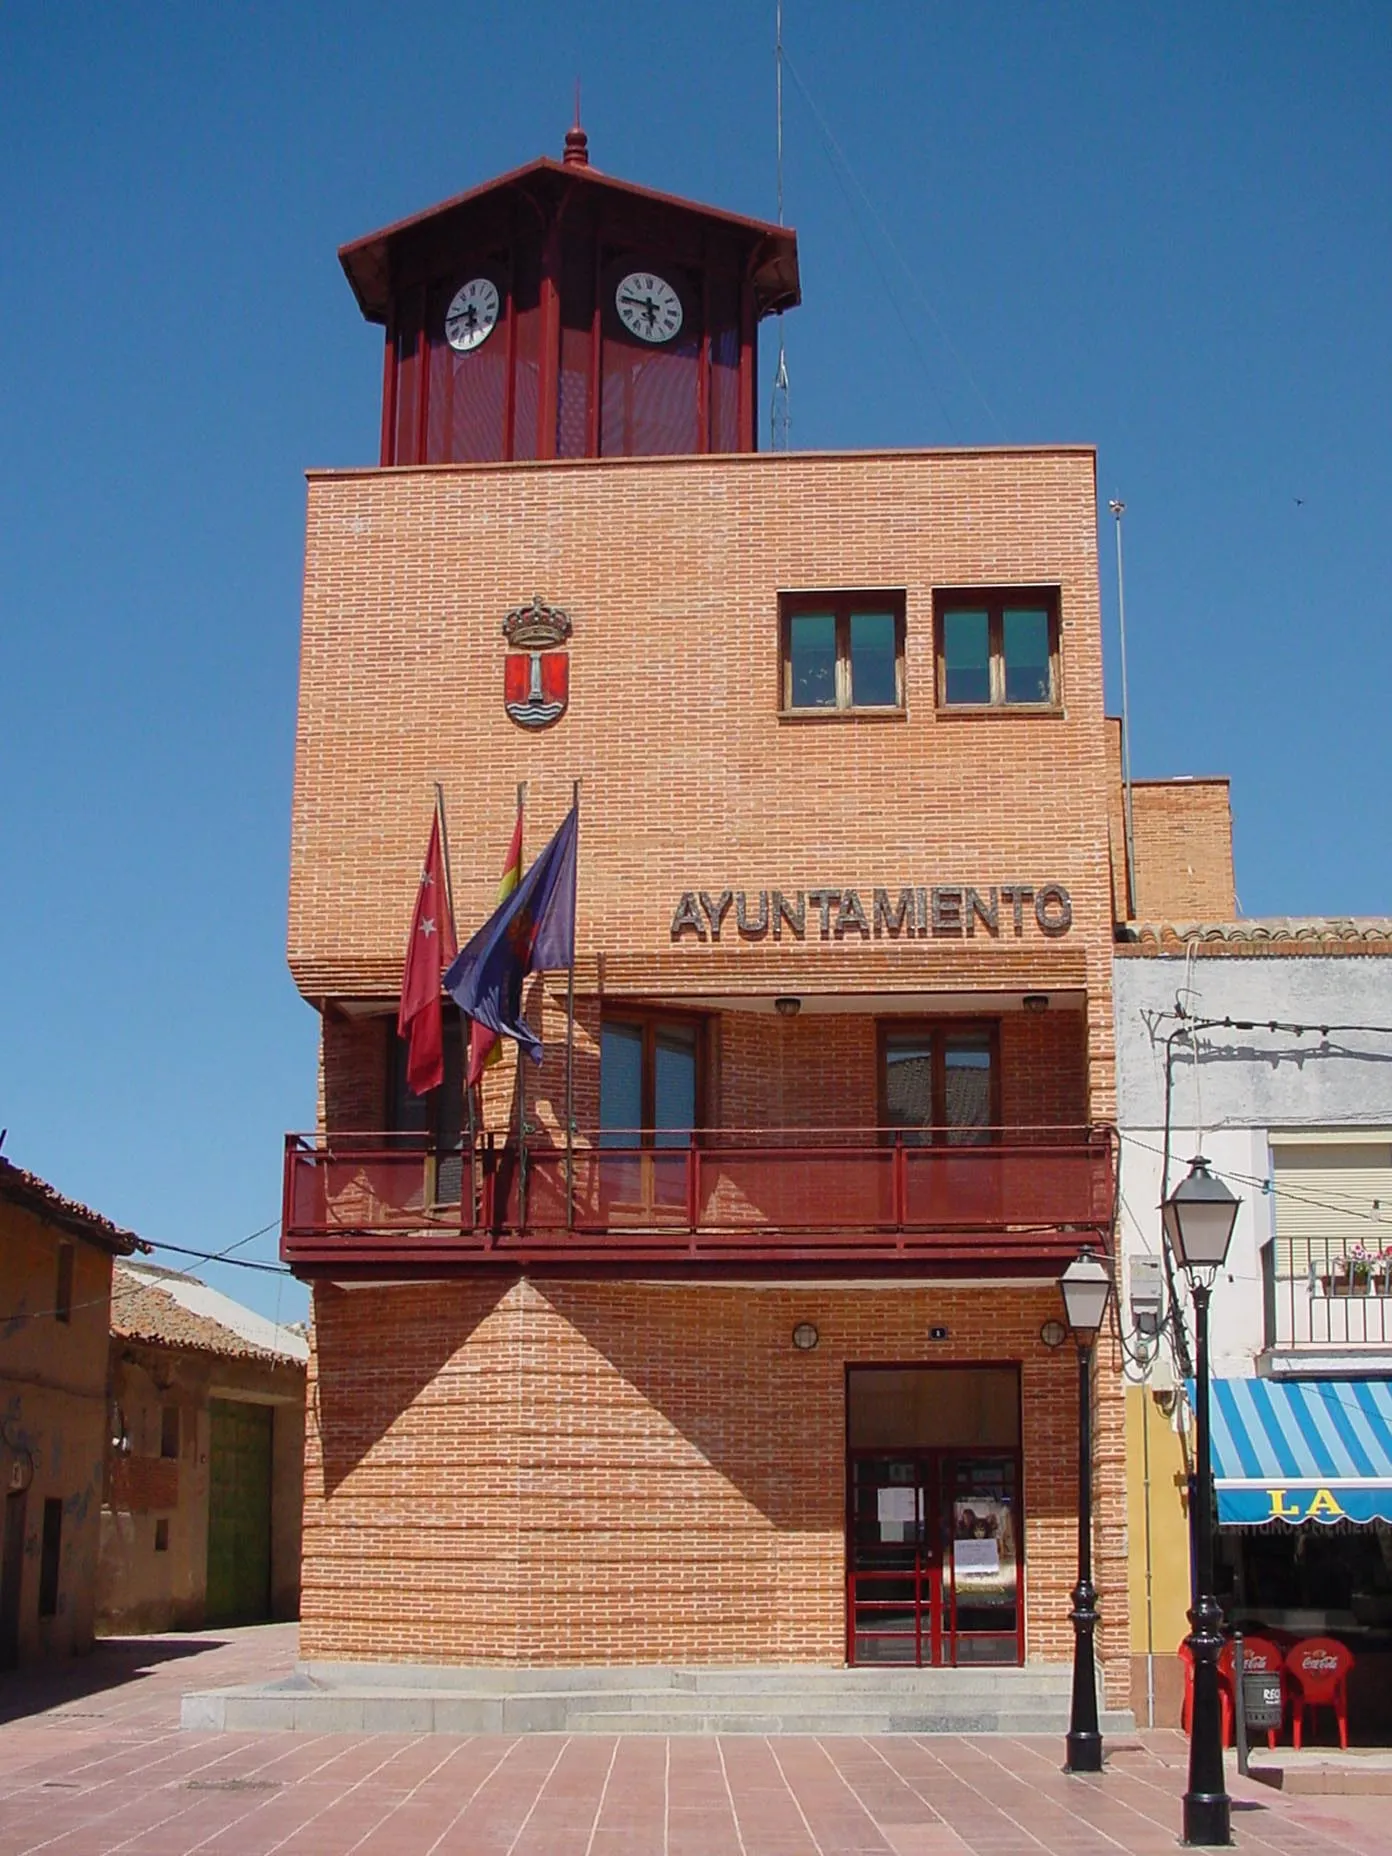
(739, 1201)
(1322, 1295)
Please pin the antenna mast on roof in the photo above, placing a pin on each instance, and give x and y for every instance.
(780, 417)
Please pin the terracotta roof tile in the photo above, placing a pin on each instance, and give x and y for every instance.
(146, 1306)
(44, 1201)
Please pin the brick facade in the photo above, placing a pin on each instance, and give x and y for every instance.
(510, 1469)
(570, 1472)
(1184, 855)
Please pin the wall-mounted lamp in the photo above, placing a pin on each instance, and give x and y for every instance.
(805, 1336)
(1036, 1002)
(787, 1005)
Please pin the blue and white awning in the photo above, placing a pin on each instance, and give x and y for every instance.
(1302, 1450)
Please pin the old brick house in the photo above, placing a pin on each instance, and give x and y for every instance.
(55, 1310)
(205, 1464)
(769, 1371)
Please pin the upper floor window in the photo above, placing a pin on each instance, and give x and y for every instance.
(63, 1294)
(998, 648)
(650, 1102)
(842, 651)
(433, 1124)
(650, 1078)
(940, 1081)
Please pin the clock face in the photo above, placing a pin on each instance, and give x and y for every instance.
(472, 314)
(648, 307)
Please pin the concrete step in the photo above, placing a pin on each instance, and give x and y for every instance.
(1041, 1679)
(788, 1699)
(799, 1719)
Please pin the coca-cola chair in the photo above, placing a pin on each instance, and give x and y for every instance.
(1225, 1694)
(1319, 1669)
(1259, 1655)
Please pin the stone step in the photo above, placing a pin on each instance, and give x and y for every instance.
(1041, 1679)
(802, 1720)
(1011, 1701)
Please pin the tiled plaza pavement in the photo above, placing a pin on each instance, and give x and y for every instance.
(92, 1760)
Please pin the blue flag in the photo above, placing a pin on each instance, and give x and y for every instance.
(533, 931)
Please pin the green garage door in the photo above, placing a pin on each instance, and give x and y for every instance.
(239, 1513)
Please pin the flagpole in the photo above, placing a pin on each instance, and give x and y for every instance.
(449, 904)
(570, 1019)
(444, 848)
(521, 1065)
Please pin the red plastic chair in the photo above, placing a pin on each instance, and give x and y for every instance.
(1225, 1698)
(1319, 1669)
(1258, 1653)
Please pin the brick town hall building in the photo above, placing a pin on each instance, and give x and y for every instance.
(772, 1373)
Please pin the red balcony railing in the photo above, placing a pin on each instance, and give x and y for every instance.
(734, 1197)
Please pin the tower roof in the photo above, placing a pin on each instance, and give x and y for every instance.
(384, 261)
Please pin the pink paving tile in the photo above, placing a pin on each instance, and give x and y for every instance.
(92, 1762)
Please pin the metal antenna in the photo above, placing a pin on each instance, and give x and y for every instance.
(780, 415)
(1118, 509)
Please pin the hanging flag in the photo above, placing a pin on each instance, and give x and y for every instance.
(485, 1045)
(431, 948)
(532, 932)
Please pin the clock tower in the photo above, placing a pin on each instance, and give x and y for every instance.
(559, 313)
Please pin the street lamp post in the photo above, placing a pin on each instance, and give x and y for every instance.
(1199, 1216)
(1086, 1285)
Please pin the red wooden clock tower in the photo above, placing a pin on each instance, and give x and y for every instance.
(558, 313)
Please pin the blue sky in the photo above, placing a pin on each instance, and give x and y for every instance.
(1165, 230)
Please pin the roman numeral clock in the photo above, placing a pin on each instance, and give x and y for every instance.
(559, 313)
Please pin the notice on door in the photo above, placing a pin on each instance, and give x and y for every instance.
(983, 1550)
(897, 1512)
(976, 1559)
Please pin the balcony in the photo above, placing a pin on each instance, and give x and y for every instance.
(1323, 1299)
(733, 1202)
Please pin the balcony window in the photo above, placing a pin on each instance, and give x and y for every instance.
(842, 652)
(998, 649)
(650, 1090)
(433, 1123)
(940, 1082)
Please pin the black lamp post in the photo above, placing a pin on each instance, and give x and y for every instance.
(1085, 1284)
(1199, 1216)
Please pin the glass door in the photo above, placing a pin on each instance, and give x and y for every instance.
(894, 1600)
(981, 1582)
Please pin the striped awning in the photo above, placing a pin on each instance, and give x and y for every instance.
(1302, 1450)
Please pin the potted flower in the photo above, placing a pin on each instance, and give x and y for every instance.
(1360, 1261)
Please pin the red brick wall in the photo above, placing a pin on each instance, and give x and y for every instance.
(671, 571)
(764, 1071)
(1184, 854)
(612, 1473)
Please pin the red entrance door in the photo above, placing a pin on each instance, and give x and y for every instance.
(895, 1579)
(933, 1558)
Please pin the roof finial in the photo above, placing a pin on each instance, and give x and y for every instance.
(577, 143)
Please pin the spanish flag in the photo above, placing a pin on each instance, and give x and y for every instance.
(485, 1044)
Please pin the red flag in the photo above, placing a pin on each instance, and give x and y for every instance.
(485, 1045)
(430, 950)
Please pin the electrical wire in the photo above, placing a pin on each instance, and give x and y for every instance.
(1271, 1189)
(21, 1316)
(844, 173)
(903, 262)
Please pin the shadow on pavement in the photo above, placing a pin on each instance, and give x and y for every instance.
(113, 1663)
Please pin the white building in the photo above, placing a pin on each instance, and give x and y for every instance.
(1267, 1047)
